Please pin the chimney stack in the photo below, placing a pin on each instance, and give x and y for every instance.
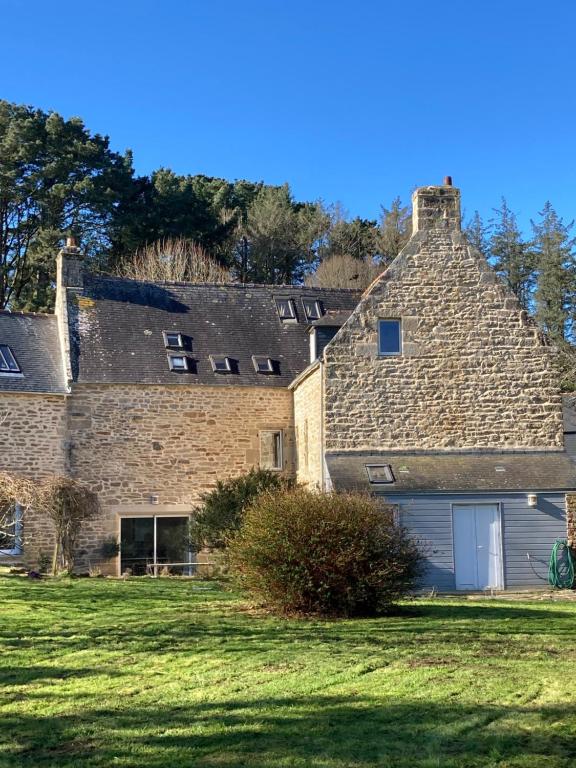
(69, 265)
(436, 207)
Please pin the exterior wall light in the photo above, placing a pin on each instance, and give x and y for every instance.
(532, 499)
(154, 498)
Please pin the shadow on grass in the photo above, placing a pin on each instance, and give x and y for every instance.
(308, 731)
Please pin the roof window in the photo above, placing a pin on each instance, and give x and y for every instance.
(220, 364)
(262, 364)
(173, 339)
(312, 309)
(178, 362)
(285, 309)
(8, 364)
(379, 474)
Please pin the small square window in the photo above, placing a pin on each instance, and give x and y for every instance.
(8, 362)
(312, 309)
(379, 473)
(262, 364)
(286, 309)
(220, 364)
(173, 339)
(271, 450)
(389, 337)
(178, 362)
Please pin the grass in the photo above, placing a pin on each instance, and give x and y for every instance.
(159, 674)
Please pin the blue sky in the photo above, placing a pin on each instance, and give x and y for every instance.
(350, 101)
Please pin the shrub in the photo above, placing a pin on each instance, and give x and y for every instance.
(330, 554)
(223, 508)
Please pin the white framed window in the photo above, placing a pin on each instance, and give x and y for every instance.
(8, 363)
(389, 337)
(178, 362)
(271, 449)
(286, 310)
(220, 364)
(312, 309)
(173, 339)
(379, 474)
(262, 364)
(11, 530)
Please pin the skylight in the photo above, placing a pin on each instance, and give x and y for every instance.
(8, 364)
(178, 362)
(312, 309)
(173, 339)
(220, 364)
(379, 473)
(262, 364)
(286, 309)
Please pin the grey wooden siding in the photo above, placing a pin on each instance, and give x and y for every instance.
(525, 530)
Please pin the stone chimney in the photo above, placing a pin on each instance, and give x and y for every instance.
(436, 207)
(69, 266)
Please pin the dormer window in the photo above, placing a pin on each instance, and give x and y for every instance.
(178, 362)
(312, 309)
(8, 364)
(172, 339)
(220, 364)
(262, 364)
(285, 309)
(379, 474)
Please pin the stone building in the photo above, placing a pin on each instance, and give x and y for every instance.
(433, 390)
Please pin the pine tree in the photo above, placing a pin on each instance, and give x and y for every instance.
(556, 274)
(511, 256)
(395, 230)
(477, 234)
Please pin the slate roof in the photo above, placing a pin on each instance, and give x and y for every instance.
(494, 471)
(34, 342)
(117, 324)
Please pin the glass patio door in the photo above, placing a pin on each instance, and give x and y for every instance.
(158, 543)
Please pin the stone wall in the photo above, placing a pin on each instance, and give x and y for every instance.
(308, 424)
(474, 372)
(33, 444)
(157, 449)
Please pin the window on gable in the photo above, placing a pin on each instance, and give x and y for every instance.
(8, 362)
(173, 339)
(285, 309)
(11, 530)
(220, 364)
(271, 449)
(379, 474)
(178, 362)
(389, 337)
(312, 309)
(262, 364)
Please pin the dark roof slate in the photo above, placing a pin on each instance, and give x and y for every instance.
(34, 341)
(438, 472)
(117, 324)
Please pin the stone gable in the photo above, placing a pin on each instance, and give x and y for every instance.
(475, 372)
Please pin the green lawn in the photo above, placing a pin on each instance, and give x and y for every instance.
(171, 674)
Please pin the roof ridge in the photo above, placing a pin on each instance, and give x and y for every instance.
(235, 286)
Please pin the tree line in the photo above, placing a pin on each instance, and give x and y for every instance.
(58, 178)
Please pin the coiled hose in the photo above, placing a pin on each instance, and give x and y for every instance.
(561, 566)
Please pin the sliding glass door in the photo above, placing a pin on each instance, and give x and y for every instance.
(155, 545)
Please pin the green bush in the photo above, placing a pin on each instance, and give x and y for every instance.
(222, 510)
(329, 554)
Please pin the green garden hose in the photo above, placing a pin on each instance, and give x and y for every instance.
(561, 567)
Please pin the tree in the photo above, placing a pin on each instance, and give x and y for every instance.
(343, 271)
(280, 238)
(511, 256)
(357, 238)
(54, 176)
(395, 230)
(477, 233)
(173, 260)
(556, 274)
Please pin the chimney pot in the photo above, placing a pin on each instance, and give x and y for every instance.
(71, 242)
(447, 181)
